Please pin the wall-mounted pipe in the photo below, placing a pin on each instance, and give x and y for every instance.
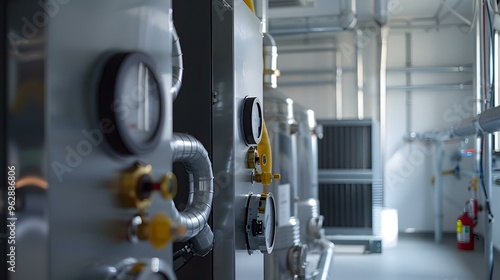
(338, 85)
(360, 75)
(438, 193)
(271, 71)
(326, 259)
(177, 65)
(261, 7)
(188, 150)
(346, 20)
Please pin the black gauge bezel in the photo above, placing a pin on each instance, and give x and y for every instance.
(248, 104)
(110, 88)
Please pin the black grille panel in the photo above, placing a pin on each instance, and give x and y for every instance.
(346, 205)
(345, 147)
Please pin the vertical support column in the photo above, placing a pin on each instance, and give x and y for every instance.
(338, 85)
(360, 77)
(478, 81)
(384, 34)
(408, 83)
(488, 228)
(438, 192)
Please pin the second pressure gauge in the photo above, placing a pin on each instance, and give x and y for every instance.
(252, 120)
(131, 99)
(261, 222)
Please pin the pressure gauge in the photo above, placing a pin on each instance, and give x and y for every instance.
(131, 103)
(252, 120)
(261, 222)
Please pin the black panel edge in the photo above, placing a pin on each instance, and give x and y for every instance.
(3, 132)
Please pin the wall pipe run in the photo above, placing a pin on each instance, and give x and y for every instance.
(438, 193)
(360, 75)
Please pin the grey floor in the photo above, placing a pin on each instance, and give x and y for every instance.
(415, 257)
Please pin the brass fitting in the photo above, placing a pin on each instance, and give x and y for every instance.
(132, 179)
(159, 231)
(138, 185)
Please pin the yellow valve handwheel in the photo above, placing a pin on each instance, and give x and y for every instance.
(161, 230)
(169, 180)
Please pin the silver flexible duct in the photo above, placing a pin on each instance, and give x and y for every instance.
(190, 151)
(177, 65)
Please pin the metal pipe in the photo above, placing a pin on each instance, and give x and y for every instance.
(408, 83)
(187, 149)
(177, 65)
(496, 94)
(360, 76)
(427, 26)
(308, 50)
(438, 193)
(346, 20)
(427, 69)
(384, 35)
(488, 225)
(261, 7)
(306, 83)
(431, 87)
(271, 71)
(326, 260)
(338, 85)
(478, 81)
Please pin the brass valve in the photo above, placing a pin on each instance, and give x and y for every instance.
(138, 185)
(252, 158)
(159, 231)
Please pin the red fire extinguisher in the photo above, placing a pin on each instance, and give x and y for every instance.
(465, 226)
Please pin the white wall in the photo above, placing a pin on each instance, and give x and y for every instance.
(408, 169)
(409, 166)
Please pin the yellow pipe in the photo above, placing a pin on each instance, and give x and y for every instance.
(250, 5)
(266, 159)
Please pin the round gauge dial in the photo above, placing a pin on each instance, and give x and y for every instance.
(261, 222)
(252, 120)
(131, 98)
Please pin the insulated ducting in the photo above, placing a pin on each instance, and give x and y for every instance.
(188, 150)
(177, 65)
(487, 122)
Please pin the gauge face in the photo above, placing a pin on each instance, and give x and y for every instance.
(252, 120)
(261, 223)
(143, 94)
(270, 222)
(131, 98)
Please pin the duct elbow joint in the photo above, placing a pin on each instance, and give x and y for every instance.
(203, 242)
(348, 19)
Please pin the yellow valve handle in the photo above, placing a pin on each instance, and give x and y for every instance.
(474, 183)
(266, 159)
(250, 5)
(169, 180)
(161, 230)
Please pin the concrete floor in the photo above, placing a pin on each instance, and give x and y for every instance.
(416, 257)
